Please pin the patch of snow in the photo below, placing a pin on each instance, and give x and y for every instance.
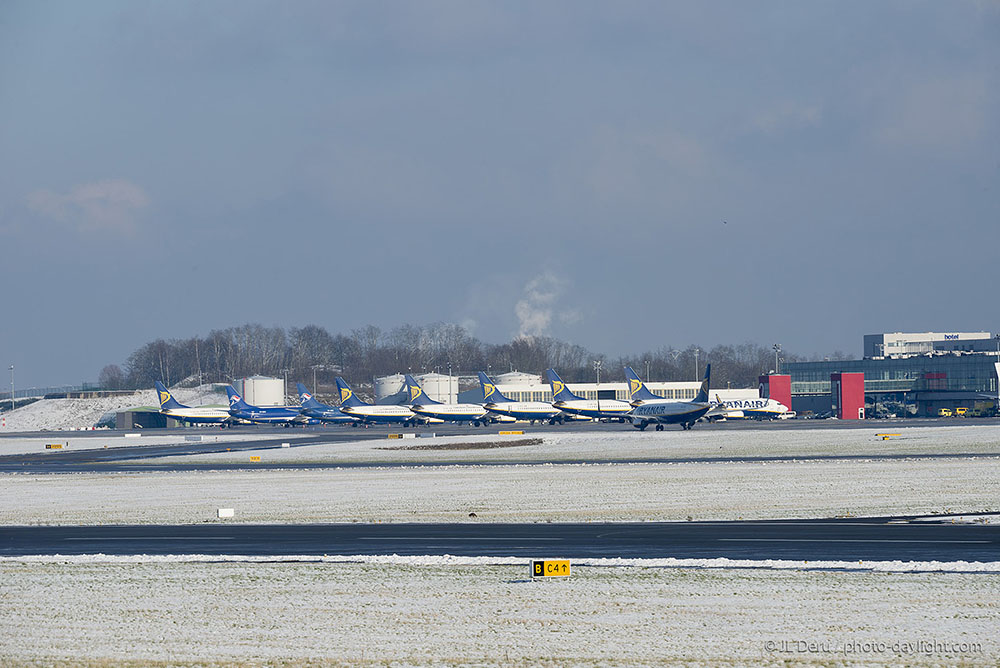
(69, 414)
(631, 445)
(398, 613)
(112, 439)
(453, 560)
(516, 493)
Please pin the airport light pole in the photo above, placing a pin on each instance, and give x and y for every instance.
(647, 369)
(696, 351)
(777, 349)
(12, 387)
(597, 368)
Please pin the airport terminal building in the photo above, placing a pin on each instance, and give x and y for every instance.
(926, 371)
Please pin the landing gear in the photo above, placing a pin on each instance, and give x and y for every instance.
(659, 427)
(641, 426)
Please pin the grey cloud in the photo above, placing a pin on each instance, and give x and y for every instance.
(110, 206)
(946, 112)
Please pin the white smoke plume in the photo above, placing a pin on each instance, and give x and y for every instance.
(536, 309)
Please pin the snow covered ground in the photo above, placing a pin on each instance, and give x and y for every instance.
(66, 414)
(385, 612)
(630, 445)
(115, 439)
(528, 493)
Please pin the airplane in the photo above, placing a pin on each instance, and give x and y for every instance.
(568, 402)
(314, 409)
(666, 411)
(172, 408)
(283, 415)
(371, 413)
(423, 405)
(495, 402)
(749, 409)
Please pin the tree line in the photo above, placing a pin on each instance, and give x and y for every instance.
(302, 354)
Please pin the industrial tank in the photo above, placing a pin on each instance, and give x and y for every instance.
(440, 387)
(261, 390)
(388, 386)
(518, 378)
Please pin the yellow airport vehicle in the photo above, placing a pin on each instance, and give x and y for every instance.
(945, 412)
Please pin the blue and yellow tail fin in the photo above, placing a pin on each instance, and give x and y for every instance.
(167, 400)
(702, 397)
(415, 395)
(347, 397)
(637, 390)
(491, 395)
(559, 390)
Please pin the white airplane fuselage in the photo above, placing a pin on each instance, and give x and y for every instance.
(379, 414)
(524, 410)
(750, 409)
(594, 408)
(197, 415)
(451, 412)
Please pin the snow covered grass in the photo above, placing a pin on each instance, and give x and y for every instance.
(452, 560)
(55, 414)
(113, 439)
(156, 612)
(629, 444)
(531, 493)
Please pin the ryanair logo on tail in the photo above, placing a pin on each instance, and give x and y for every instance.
(306, 396)
(233, 400)
(345, 394)
(557, 387)
(488, 390)
(164, 397)
(634, 385)
(415, 392)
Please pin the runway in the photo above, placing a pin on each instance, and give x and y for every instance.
(872, 539)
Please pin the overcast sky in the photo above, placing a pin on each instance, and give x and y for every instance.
(621, 175)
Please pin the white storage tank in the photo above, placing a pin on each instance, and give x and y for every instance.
(440, 387)
(518, 378)
(387, 386)
(261, 390)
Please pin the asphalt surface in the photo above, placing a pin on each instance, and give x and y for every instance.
(872, 539)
